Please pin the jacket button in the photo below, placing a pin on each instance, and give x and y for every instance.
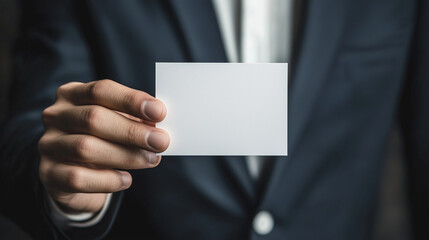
(263, 223)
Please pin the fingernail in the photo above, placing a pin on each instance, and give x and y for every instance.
(126, 180)
(151, 157)
(152, 109)
(157, 140)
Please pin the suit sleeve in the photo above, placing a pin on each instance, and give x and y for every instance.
(52, 50)
(415, 122)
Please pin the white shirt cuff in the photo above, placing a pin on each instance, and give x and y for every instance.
(86, 219)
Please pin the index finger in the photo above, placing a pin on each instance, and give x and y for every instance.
(118, 97)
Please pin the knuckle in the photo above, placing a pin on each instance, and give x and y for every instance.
(75, 180)
(93, 117)
(132, 99)
(43, 143)
(61, 90)
(97, 88)
(83, 147)
(136, 134)
(48, 115)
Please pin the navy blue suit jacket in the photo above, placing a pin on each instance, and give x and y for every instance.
(355, 64)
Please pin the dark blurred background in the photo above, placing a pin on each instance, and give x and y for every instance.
(392, 217)
(9, 20)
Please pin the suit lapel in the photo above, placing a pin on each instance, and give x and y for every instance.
(197, 23)
(321, 35)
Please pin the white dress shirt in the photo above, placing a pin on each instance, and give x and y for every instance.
(252, 31)
(255, 31)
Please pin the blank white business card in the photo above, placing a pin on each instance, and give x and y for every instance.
(224, 108)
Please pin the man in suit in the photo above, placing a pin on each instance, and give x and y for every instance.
(354, 63)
